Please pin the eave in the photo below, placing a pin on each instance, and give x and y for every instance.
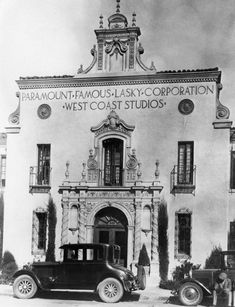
(99, 79)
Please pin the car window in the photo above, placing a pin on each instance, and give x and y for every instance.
(84, 254)
(229, 261)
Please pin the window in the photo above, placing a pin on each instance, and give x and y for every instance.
(42, 225)
(3, 171)
(183, 233)
(185, 163)
(113, 152)
(39, 231)
(43, 164)
(232, 171)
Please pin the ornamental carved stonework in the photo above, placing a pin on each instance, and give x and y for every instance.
(222, 112)
(109, 194)
(112, 123)
(44, 111)
(131, 166)
(14, 118)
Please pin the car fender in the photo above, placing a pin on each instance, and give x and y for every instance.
(31, 274)
(198, 283)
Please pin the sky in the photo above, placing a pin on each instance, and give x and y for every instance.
(54, 37)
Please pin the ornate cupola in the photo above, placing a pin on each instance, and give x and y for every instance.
(118, 49)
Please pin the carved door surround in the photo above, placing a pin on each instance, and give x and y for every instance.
(112, 128)
(90, 195)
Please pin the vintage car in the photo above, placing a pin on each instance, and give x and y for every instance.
(92, 267)
(191, 290)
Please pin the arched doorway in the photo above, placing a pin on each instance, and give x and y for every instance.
(110, 227)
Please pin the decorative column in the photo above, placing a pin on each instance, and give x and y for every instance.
(137, 236)
(65, 222)
(154, 245)
(81, 222)
(130, 246)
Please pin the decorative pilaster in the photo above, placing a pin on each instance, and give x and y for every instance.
(137, 236)
(154, 243)
(65, 223)
(81, 222)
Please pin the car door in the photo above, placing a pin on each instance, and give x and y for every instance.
(82, 272)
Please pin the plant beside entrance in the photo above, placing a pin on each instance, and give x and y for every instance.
(144, 259)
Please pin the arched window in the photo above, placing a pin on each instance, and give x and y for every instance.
(73, 223)
(113, 159)
(146, 219)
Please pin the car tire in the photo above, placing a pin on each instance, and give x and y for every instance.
(110, 290)
(141, 276)
(190, 294)
(24, 287)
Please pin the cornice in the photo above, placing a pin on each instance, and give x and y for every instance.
(114, 31)
(119, 79)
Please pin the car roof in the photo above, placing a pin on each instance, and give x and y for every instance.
(230, 252)
(88, 245)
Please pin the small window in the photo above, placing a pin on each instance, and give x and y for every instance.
(43, 174)
(185, 163)
(3, 171)
(183, 234)
(39, 231)
(232, 171)
(42, 225)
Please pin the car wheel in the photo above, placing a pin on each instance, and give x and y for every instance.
(141, 276)
(190, 294)
(24, 287)
(110, 290)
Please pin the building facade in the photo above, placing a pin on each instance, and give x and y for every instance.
(3, 156)
(110, 144)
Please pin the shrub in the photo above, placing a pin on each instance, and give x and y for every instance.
(143, 257)
(163, 241)
(213, 261)
(183, 270)
(52, 220)
(9, 267)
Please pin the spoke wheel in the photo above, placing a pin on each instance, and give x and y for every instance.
(24, 287)
(190, 294)
(110, 290)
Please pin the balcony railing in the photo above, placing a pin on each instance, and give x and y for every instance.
(183, 181)
(39, 179)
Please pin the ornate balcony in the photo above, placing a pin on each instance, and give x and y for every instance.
(39, 179)
(183, 182)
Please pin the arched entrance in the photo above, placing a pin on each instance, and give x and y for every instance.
(110, 227)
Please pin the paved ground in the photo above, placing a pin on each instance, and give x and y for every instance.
(152, 296)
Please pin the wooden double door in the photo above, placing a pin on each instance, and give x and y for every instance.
(111, 228)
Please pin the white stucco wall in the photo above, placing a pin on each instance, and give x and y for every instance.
(156, 136)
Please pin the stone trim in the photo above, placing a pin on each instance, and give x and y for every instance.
(122, 79)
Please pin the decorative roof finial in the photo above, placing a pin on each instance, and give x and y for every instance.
(101, 21)
(134, 20)
(118, 6)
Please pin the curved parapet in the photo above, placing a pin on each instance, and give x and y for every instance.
(14, 118)
(94, 54)
(222, 112)
(140, 51)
